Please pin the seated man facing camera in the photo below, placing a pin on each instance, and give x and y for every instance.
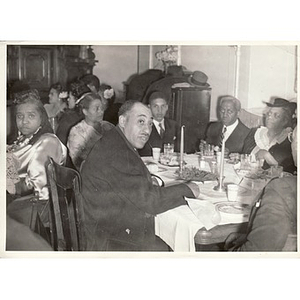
(164, 129)
(119, 197)
(230, 126)
(273, 217)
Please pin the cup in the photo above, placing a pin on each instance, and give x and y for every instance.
(214, 167)
(156, 153)
(232, 192)
(168, 149)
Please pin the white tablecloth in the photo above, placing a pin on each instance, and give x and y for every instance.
(178, 226)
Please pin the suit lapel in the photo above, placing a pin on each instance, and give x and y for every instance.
(154, 135)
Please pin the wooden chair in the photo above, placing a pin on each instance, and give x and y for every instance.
(66, 211)
(216, 236)
(250, 119)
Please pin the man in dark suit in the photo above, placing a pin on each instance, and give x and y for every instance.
(230, 126)
(164, 130)
(120, 198)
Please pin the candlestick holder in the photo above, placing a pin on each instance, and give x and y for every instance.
(220, 187)
(180, 167)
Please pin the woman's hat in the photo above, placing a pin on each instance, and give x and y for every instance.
(280, 102)
(198, 78)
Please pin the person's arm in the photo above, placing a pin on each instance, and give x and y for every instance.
(267, 156)
(130, 181)
(76, 143)
(271, 224)
(48, 146)
(249, 142)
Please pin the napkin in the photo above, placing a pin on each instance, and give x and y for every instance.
(178, 227)
(205, 211)
(207, 192)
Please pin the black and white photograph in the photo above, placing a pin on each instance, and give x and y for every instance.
(151, 148)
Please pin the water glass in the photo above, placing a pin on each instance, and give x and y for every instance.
(156, 154)
(232, 192)
(168, 150)
(214, 167)
(245, 162)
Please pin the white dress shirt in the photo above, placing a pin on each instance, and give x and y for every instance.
(230, 129)
(156, 123)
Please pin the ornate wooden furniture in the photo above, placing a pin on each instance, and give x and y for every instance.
(42, 65)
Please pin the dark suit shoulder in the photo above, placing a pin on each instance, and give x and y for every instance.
(170, 121)
(242, 126)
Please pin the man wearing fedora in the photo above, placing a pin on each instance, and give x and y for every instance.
(230, 128)
(164, 130)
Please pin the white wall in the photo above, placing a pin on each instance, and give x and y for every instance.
(217, 62)
(265, 71)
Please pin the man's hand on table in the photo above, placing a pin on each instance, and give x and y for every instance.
(194, 188)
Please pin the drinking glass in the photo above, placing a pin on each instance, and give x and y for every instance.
(168, 150)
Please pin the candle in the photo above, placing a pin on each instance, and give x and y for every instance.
(222, 163)
(181, 146)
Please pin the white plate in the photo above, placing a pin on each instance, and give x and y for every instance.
(232, 207)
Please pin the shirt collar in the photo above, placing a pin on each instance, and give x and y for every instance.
(232, 126)
(156, 123)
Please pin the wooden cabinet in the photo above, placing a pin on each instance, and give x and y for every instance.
(42, 65)
(191, 107)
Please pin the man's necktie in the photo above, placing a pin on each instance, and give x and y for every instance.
(161, 130)
(222, 136)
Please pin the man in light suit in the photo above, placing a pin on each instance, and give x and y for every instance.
(230, 125)
(120, 199)
(164, 130)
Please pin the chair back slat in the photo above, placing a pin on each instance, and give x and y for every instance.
(66, 208)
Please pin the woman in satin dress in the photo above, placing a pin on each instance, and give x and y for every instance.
(28, 154)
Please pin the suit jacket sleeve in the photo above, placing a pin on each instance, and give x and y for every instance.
(133, 183)
(249, 143)
(271, 223)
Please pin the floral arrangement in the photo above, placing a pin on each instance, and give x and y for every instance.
(170, 54)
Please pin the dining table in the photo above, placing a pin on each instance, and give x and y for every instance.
(204, 221)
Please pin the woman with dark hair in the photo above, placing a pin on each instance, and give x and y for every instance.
(57, 101)
(86, 133)
(33, 145)
(72, 114)
(271, 143)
